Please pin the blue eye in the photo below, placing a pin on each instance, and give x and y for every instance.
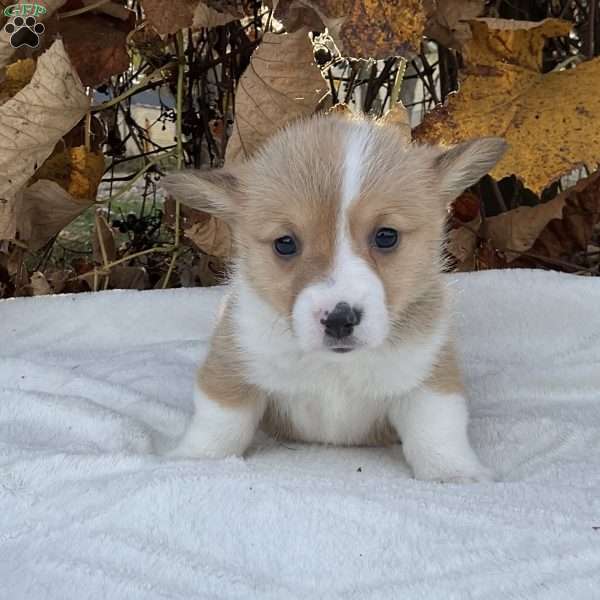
(386, 238)
(285, 246)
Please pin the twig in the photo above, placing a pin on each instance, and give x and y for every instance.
(132, 181)
(150, 80)
(400, 71)
(80, 11)
(498, 194)
(179, 140)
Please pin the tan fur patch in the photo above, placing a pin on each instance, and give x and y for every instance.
(445, 378)
(221, 375)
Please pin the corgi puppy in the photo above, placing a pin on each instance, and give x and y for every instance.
(337, 327)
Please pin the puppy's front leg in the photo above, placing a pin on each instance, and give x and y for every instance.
(218, 430)
(432, 424)
(227, 408)
(433, 430)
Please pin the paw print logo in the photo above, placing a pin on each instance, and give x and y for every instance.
(24, 32)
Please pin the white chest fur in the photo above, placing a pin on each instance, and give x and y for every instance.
(333, 399)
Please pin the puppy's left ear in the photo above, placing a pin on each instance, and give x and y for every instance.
(465, 164)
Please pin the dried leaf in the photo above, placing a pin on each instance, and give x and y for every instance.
(446, 20)
(518, 229)
(96, 45)
(17, 76)
(340, 109)
(463, 237)
(46, 209)
(381, 29)
(77, 170)
(362, 28)
(6, 50)
(211, 270)
(103, 241)
(504, 94)
(57, 279)
(204, 271)
(210, 235)
(129, 278)
(398, 117)
(180, 14)
(297, 14)
(211, 16)
(555, 229)
(39, 284)
(462, 242)
(32, 122)
(281, 83)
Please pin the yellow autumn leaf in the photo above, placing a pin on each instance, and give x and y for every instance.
(503, 93)
(77, 170)
(361, 28)
(16, 77)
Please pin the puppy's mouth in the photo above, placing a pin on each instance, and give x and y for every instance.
(342, 349)
(341, 346)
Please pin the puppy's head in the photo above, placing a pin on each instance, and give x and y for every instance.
(338, 223)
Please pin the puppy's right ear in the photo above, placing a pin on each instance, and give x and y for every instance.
(213, 191)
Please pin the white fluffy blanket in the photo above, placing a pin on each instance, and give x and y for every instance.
(86, 511)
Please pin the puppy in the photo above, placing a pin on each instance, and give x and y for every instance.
(337, 327)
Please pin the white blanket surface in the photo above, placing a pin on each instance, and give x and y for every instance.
(87, 511)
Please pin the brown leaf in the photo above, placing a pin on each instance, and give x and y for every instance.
(103, 241)
(362, 28)
(46, 209)
(340, 109)
(550, 130)
(297, 14)
(213, 13)
(57, 278)
(129, 278)
(39, 284)
(462, 243)
(32, 122)
(518, 229)
(446, 20)
(211, 235)
(281, 83)
(205, 271)
(96, 45)
(556, 229)
(181, 14)
(464, 235)
(178, 15)
(466, 207)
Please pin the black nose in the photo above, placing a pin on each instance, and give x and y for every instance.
(340, 322)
